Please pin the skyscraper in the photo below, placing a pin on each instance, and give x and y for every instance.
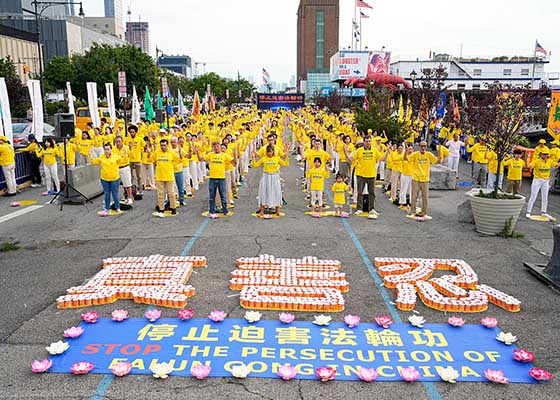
(138, 34)
(113, 8)
(317, 38)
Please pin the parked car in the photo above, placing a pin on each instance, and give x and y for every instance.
(83, 117)
(21, 130)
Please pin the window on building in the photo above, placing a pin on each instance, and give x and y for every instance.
(476, 86)
(106, 25)
(507, 71)
(525, 71)
(319, 39)
(460, 86)
(477, 72)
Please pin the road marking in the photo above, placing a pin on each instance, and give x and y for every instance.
(19, 213)
(108, 378)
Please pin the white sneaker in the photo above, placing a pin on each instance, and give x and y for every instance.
(358, 212)
(159, 214)
(372, 215)
(373, 211)
(528, 215)
(548, 216)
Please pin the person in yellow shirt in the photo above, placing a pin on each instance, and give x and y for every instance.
(124, 168)
(540, 147)
(165, 161)
(316, 176)
(421, 161)
(84, 143)
(135, 144)
(344, 147)
(270, 189)
(480, 162)
(217, 161)
(443, 153)
(554, 156)
(493, 170)
(515, 171)
(49, 154)
(8, 164)
(541, 177)
(70, 148)
(365, 159)
(109, 163)
(178, 168)
(339, 189)
(186, 165)
(34, 161)
(395, 159)
(148, 175)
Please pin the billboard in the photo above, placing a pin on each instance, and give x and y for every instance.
(274, 101)
(345, 92)
(349, 64)
(379, 62)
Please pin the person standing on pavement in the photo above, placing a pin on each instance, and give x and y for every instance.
(8, 164)
(421, 161)
(454, 156)
(178, 169)
(34, 161)
(480, 162)
(165, 161)
(109, 163)
(270, 189)
(541, 177)
(366, 159)
(217, 161)
(124, 168)
(50, 165)
(135, 144)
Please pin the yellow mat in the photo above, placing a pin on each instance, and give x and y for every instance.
(323, 214)
(541, 218)
(219, 214)
(26, 202)
(271, 216)
(325, 207)
(165, 214)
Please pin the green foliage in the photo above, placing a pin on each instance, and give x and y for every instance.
(57, 72)
(523, 141)
(378, 117)
(17, 93)
(57, 107)
(509, 231)
(4, 247)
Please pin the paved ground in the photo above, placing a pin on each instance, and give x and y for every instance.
(62, 249)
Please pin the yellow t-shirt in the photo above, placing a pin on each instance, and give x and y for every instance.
(311, 155)
(135, 145)
(109, 166)
(493, 163)
(49, 154)
(538, 151)
(217, 164)
(478, 153)
(421, 164)
(396, 160)
(271, 165)
(341, 153)
(123, 153)
(7, 154)
(515, 169)
(339, 190)
(165, 161)
(366, 162)
(317, 178)
(541, 169)
(71, 150)
(555, 154)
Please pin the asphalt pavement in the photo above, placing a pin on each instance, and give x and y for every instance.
(60, 249)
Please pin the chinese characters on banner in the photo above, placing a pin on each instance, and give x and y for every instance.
(274, 101)
(267, 345)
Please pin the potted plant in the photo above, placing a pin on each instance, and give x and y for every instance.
(498, 113)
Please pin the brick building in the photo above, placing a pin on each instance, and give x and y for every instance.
(317, 41)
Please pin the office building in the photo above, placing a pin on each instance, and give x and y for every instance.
(22, 48)
(138, 34)
(179, 64)
(317, 40)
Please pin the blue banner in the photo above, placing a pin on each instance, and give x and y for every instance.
(440, 105)
(274, 101)
(266, 345)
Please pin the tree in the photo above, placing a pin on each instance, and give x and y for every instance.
(334, 102)
(498, 113)
(379, 117)
(17, 94)
(57, 72)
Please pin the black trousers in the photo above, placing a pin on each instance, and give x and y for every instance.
(35, 163)
(362, 182)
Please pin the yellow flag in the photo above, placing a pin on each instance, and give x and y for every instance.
(196, 106)
(554, 115)
(401, 109)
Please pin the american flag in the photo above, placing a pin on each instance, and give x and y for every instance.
(362, 15)
(539, 49)
(363, 4)
(266, 77)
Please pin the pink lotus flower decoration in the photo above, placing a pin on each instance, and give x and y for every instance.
(185, 314)
(287, 372)
(39, 366)
(153, 314)
(496, 375)
(351, 320)
(90, 317)
(81, 368)
(409, 374)
(73, 332)
(200, 371)
(367, 374)
(14, 204)
(121, 368)
(384, 320)
(523, 355)
(119, 315)
(456, 321)
(325, 374)
(217, 315)
(540, 374)
(286, 317)
(489, 322)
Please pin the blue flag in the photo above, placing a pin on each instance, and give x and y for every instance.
(169, 102)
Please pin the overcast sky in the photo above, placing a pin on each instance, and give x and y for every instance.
(247, 35)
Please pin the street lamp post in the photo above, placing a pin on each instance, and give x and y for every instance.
(44, 5)
(413, 77)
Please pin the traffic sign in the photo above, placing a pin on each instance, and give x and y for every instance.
(122, 84)
(164, 87)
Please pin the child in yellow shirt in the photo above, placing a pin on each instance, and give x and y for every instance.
(316, 176)
(339, 189)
